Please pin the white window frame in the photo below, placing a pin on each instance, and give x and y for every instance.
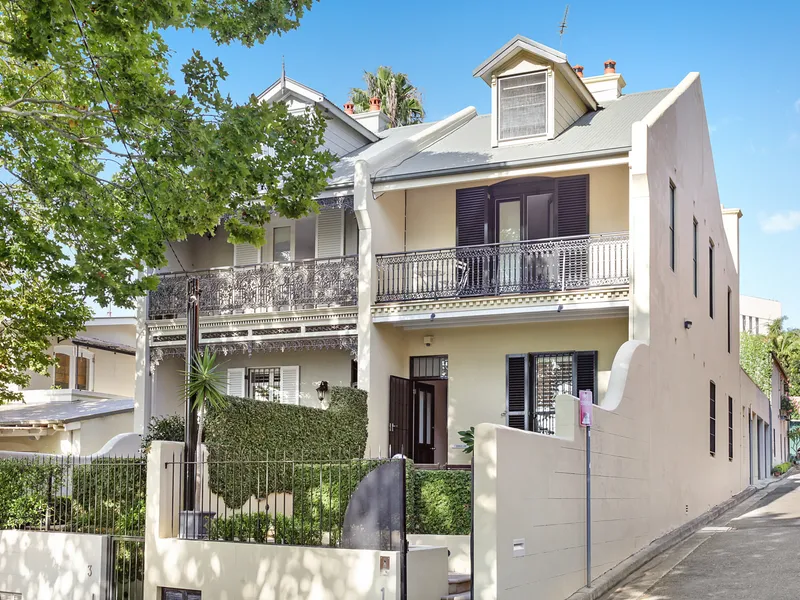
(279, 391)
(549, 108)
(74, 352)
(271, 241)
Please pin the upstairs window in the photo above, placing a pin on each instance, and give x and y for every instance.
(671, 225)
(61, 380)
(711, 278)
(522, 106)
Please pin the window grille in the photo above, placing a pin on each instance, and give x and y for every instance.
(264, 384)
(522, 106)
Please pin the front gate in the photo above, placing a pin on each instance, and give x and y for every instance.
(126, 568)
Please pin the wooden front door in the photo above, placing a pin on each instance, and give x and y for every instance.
(400, 410)
(423, 423)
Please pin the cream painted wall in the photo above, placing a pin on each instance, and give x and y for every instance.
(568, 106)
(457, 545)
(49, 444)
(332, 366)
(476, 363)
(430, 217)
(55, 566)
(95, 433)
(672, 144)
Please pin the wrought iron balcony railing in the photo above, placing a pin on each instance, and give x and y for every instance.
(556, 264)
(266, 287)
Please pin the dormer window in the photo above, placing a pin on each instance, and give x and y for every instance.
(522, 106)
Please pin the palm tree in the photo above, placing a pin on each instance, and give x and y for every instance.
(400, 100)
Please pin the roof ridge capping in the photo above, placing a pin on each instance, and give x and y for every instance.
(421, 140)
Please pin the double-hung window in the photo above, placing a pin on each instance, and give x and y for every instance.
(712, 445)
(534, 380)
(522, 106)
(711, 278)
(730, 428)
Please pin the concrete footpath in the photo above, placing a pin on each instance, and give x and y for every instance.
(751, 552)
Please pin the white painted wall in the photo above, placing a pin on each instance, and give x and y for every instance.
(53, 566)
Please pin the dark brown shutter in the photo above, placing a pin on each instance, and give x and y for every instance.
(471, 204)
(572, 195)
(586, 372)
(517, 391)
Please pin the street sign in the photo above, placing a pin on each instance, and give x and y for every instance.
(586, 408)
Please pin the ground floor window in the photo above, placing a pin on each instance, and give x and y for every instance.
(534, 380)
(174, 594)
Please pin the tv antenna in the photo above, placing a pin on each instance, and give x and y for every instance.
(563, 27)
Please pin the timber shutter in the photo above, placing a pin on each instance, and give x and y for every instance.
(517, 396)
(236, 382)
(572, 195)
(290, 385)
(586, 372)
(330, 233)
(471, 222)
(246, 254)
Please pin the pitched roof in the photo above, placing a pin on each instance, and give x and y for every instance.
(61, 412)
(606, 131)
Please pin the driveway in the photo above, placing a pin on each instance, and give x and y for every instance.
(750, 553)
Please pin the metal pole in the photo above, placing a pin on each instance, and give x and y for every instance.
(190, 432)
(588, 507)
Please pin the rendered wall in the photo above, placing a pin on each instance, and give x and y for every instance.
(53, 566)
(458, 545)
(95, 433)
(672, 145)
(477, 363)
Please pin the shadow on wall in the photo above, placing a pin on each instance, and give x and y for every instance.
(58, 566)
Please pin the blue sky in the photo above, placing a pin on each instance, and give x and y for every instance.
(746, 54)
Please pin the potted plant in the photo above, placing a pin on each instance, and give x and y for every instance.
(203, 386)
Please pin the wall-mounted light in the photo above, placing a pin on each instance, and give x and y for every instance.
(687, 324)
(321, 389)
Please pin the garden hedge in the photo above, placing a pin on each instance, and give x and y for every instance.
(27, 490)
(440, 503)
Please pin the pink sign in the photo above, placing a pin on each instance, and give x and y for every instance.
(586, 408)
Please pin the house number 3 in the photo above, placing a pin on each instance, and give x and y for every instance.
(90, 570)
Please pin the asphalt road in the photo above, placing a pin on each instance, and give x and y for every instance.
(750, 553)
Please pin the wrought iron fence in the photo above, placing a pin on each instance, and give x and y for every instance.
(72, 494)
(266, 287)
(556, 264)
(343, 503)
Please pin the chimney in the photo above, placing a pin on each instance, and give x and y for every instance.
(349, 108)
(374, 119)
(606, 87)
(578, 70)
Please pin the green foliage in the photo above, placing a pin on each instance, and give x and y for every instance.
(27, 493)
(297, 530)
(240, 527)
(169, 428)
(468, 437)
(108, 495)
(442, 503)
(756, 360)
(785, 343)
(205, 382)
(781, 468)
(400, 100)
(103, 156)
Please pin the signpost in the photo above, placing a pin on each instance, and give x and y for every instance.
(586, 405)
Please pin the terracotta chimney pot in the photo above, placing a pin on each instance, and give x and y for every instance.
(578, 70)
(610, 67)
(374, 104)
(349, 108)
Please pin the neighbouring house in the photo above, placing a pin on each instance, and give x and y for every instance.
(781, 413)
(757, 314)
(84, 400)
(481, 271)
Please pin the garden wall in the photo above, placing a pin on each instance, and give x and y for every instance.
(56, 566)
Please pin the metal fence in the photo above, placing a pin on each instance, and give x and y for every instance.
(74, 495)
(266, 287)
(343, 503)
(557, 264)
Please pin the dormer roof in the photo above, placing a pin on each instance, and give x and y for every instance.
(285, 88)
(520, 44)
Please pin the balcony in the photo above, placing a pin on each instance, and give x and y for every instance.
(260, 288)
(552, 265)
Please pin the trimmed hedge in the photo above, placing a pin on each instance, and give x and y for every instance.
(440, 503)
(27, 491)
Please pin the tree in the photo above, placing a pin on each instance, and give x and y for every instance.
(785, 343)
(400, 101)
(104, 158)
(755, 358)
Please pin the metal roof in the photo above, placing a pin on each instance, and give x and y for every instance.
(90, 342)
(61, 412)
(601, 132)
